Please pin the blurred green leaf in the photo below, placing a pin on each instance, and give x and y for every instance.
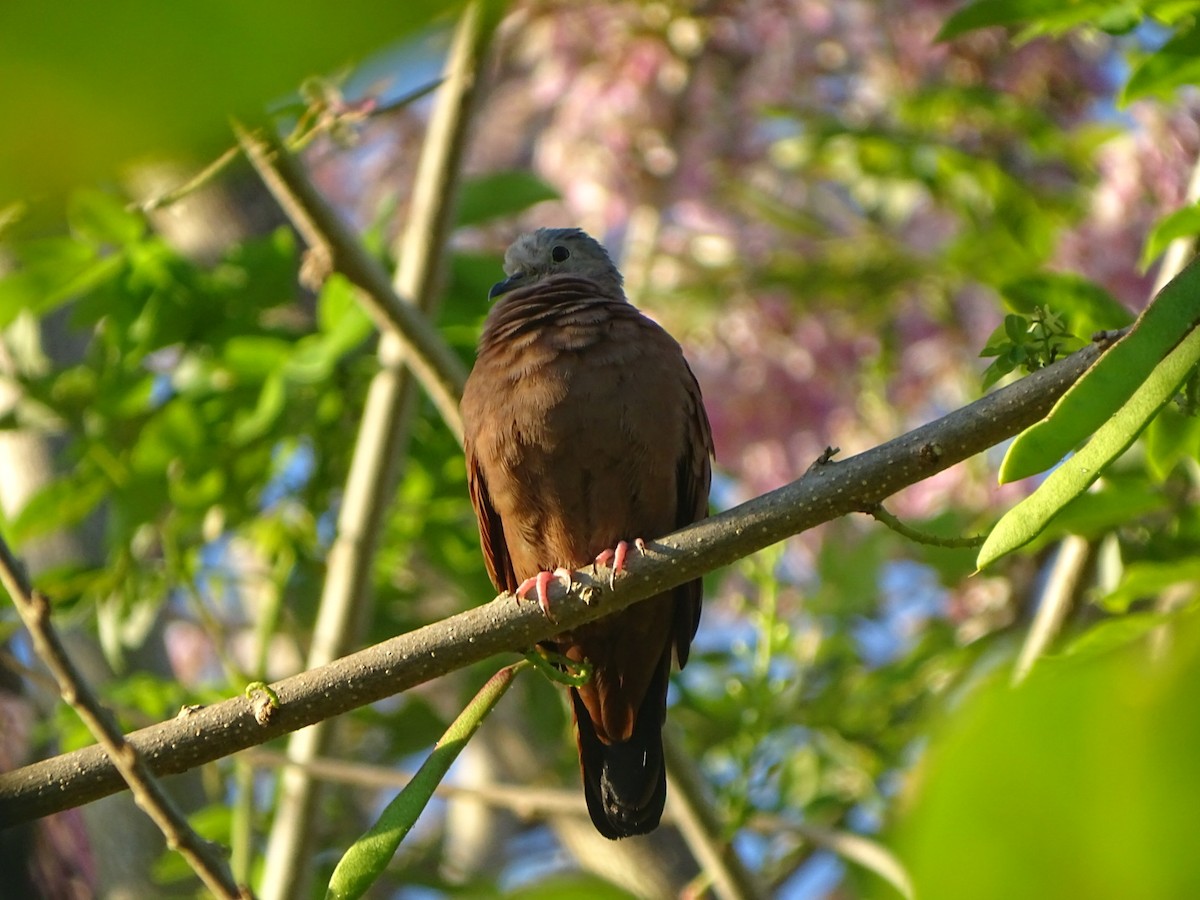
(254, 358)
(1148, 579)
(1086, 306)
(1183, 222)
(500, 194)
(1172, 438)
(100, 218)
(51, 271)
(60, 504)
(252, 424)
(101, 84)
(1174, 65)
(1081, 783)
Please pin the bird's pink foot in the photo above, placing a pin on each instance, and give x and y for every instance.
(540, 583)
(617, 557)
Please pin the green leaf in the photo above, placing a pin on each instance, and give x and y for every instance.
(1042, 16)
(100, 86)
(1176, 64)
(100, 218)
(49, 273)
(1110, 382)
(1101, 747)
(1114, 634)
(253, 358)
(1026, 520)
(343, 323)
(366, 859)
(175, 432)
(1181, 223)
(60, 504)
(1095, 513)
(1147, 580)
(1016, 328)
(249, 426)
(199, 493)
(1171, 438)
(500, 194)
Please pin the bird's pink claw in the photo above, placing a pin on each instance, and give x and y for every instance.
(540, 583)
(617, 556)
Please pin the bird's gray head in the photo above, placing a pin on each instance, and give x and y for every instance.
(556, 251)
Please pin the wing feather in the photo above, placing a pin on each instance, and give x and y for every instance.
(491, 529)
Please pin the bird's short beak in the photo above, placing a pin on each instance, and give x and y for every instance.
(502, 287)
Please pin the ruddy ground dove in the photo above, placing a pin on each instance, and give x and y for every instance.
(585, 430)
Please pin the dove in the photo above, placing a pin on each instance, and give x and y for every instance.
(585, 433)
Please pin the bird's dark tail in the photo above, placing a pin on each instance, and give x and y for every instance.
(625, 783)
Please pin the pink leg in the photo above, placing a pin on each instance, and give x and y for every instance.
(540, 582)
(617, 556)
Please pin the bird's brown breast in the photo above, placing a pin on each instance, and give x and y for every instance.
(577, 426)
(581, 419)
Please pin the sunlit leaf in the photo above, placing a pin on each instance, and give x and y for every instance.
(1110, 382)
(1175, 64)
(366, 859)
(1183, 222)
(1081, 783)
(1026, 520)
(500, 194)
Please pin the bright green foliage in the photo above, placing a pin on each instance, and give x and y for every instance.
(90, 89)
(1080, 783)
(209, 420)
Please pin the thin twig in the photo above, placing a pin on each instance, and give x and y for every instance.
(504, 625)
(193, 184)
(690, 804)
(217, 166)
(337, 249)
(34, 609)
(879, 513)
(1054, 603)
(519, 799)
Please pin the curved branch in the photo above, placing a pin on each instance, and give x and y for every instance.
(148, 793)
(827, 491)
(441, 373)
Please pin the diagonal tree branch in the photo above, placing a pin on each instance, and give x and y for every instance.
(827, 491)
(435, 365)
(34, 610)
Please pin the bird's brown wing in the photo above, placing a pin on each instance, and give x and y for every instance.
(491, 531)
(694, 477)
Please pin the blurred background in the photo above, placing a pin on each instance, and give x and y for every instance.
(831, 207)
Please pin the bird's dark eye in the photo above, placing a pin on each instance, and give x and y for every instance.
(560, 253)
